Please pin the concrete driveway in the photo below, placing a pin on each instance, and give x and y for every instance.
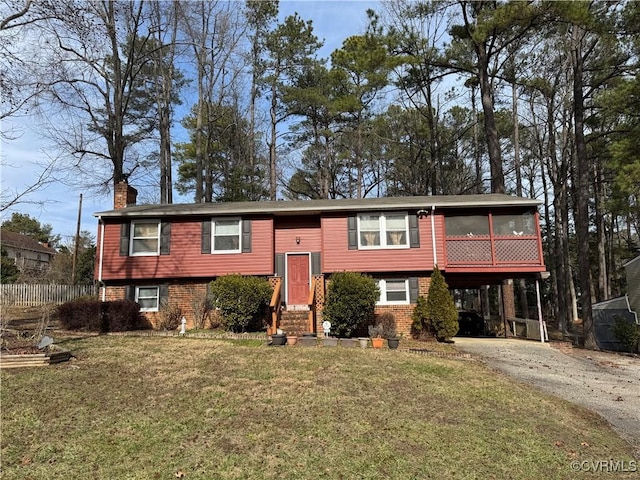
(606, 383)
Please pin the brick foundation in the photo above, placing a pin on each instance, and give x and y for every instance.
(183, 294)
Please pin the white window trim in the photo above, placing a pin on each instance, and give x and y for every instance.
(153, 309)
(213, 236)
(132, 238)
(382, 284)
(383, 231)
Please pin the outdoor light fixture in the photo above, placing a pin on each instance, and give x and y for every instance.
(298, 240)
(422, 213)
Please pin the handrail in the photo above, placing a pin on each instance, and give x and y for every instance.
(274, 305)
(311, 301)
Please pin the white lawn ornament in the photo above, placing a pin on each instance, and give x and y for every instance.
(182, 328)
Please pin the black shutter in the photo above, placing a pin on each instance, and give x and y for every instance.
(163, 295)
(124, 239)
(414, 232)
(165, 238)
(246, 236)
(316, 265)
(130, 293)
(352, 229)
(413, 289)
(280, 265)
(206, 236)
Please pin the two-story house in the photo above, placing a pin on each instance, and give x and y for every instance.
(150, 252)
(28, 254)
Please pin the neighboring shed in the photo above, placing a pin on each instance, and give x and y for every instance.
(605, 315)
(27, 253)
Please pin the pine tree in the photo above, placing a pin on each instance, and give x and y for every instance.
(441, 307)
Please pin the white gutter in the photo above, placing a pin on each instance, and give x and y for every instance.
(433, 235)
(104, 289)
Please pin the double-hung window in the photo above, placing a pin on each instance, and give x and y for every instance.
(227, 235)
(148, 298)
(145, 237)
(393, 291)
(377, 230)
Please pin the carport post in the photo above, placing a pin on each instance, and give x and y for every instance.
(539, 311)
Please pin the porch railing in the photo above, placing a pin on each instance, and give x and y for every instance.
(311, 301)
(275, 304)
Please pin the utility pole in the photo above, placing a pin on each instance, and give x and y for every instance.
(77, 244)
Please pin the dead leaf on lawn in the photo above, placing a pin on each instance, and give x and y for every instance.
(584, 444)
(559, 443)
(179, 474)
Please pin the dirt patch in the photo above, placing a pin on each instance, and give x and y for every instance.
(607, 383)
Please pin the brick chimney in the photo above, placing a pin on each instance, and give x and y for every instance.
(124, 195)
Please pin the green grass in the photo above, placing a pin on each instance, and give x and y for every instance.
(144, 408)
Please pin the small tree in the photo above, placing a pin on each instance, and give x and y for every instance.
(351, 300)
(243, 301)
(442, 312)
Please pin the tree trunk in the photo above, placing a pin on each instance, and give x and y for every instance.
(583, 184)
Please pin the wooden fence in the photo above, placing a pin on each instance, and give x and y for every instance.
(25, 295)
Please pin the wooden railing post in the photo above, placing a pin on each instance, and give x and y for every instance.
(274, 305)
(311, 301)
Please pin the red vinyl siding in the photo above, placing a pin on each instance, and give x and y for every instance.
(337, 256)
(185, 259)
(308, 231)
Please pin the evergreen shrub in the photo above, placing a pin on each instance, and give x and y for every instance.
(441, 308)
(350, 302)
(243, 301)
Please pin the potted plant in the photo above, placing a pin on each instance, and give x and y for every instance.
(364, 342)
(388, 323)
(376, 333)
(292, 339)
(278, 339)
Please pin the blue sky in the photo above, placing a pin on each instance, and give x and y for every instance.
(333, 21)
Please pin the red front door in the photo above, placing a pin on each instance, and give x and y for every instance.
(297, 279)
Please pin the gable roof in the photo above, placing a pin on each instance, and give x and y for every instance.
(23, 242)
(293, 207)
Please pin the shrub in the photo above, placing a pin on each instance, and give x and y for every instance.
(169, 316)
(202, 306)
(124, 316)
(421, 325)
(387, 322)
(627, 333)
(243, 301)
(441, 308)
(350, 302)
(96, 316)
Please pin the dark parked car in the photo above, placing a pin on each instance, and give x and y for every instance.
(471, 324)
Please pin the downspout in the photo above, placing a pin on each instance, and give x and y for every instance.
(433, 235)
(100, 282)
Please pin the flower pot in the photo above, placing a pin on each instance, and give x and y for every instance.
(278, 339)
(348, 342)
(307, 341)
(292, 340)
(364, 342)
(393, 343)
(329, 342)
(377, 342)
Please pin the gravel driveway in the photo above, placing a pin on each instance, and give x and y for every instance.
(606, 383)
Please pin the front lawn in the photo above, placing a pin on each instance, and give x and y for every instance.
(151, 407)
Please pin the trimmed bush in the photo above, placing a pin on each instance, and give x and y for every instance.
(243, 301)
(350, 302)
(441, 309)
(96, 316)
